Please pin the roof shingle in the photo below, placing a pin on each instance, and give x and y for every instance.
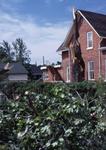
(17, 68)
(98, 21)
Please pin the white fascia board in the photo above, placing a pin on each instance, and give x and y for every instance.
(57, 66)
(66, 49)
(43, 68)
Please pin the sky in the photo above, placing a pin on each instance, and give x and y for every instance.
(42, 24)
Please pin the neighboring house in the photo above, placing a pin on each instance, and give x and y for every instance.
(92, 38)
(16, 73)
(34, 72)
(52, 73)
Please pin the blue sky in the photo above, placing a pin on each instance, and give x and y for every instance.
(43, 24)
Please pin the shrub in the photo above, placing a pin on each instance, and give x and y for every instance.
(54, 116)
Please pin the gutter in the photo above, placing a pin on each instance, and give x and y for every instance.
(100, 58)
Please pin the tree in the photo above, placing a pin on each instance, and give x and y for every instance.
(3, 55)
(6, 53)
(21, 51)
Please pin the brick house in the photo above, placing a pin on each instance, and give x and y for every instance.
(92, 38)
(52, 73)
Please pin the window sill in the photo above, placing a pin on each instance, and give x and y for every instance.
(91, 79)
(45, 79)
(67, 81)
(89, 48)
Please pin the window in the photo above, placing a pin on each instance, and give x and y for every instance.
(89, 40)
(68, 74)
(91, 70)
(45, 76)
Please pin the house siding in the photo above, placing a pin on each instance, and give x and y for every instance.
(60, 71)
(54, 74)
(89, 54)
(103, 64)
(45, 71)
(94, 54)
(20, 77)
(65, 62)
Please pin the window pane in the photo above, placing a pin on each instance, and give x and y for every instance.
(92, 75)
(45, 75)
(90, 43)
(90, 70)
(89, 35)
(89, 39)
(91, 65)
(68, 73)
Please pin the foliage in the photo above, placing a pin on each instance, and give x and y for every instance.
(21, 51)
(16, 52)
(53, 117)
(6, 53)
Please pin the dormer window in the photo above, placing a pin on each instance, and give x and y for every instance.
(89, 40)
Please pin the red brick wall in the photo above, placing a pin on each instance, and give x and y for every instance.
(88, 55)
(91, 54)
(50, 76)
(53, 75)
(103, 64)
(60, 71)
(65, 63)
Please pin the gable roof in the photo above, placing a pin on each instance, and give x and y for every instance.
(34, 70)
(97, 22)
(17, 68)
(65, 44)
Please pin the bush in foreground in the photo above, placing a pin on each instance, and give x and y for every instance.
(60, 119)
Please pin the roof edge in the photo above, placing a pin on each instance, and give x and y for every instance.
(79, 11)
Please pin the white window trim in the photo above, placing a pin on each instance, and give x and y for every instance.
(45, 76)
(88, 48)
(89, 78)
(68, 74)
(105, 71)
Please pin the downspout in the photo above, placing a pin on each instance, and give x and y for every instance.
(100, 59)
(69, 51)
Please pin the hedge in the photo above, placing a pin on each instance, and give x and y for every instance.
(61, 116)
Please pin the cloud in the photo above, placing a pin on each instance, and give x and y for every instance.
(42, 40)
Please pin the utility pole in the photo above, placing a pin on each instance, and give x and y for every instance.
(43, 60)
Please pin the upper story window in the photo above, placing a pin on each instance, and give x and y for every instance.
(89, 40)
(91, 70)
